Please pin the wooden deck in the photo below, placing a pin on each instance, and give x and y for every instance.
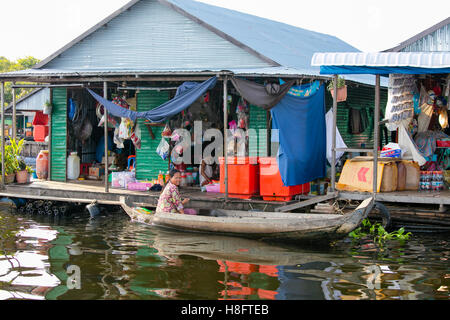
(409, 197)
(88, 190)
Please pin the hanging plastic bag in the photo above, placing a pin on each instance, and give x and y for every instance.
(125, 128)
(167, 132)
(136, 137)
(163, 149)
(117, 140)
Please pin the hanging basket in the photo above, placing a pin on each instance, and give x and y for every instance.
(341, 93)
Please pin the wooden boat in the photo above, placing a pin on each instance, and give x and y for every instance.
(255, 224)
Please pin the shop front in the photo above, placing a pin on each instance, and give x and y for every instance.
(414, 168)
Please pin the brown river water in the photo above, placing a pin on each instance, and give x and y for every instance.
(45, 258)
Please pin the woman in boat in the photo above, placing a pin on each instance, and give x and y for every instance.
(170, 200)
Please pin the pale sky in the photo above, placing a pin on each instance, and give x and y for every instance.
(40, 27)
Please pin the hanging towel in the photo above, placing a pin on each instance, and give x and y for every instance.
(302, 134)
(339, 141)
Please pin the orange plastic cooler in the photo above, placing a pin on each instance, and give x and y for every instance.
(243, 177)
(271, 185)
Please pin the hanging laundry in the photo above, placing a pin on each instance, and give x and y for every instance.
(302, 134)
(265, 96)
(339, 141)
(164, 111)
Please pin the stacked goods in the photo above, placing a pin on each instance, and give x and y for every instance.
(412, 175)
(389, 179)
(393, 175)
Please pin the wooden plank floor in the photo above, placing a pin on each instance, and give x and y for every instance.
(411, 197)
(89, 190)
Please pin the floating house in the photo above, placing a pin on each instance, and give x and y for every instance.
(146, 50)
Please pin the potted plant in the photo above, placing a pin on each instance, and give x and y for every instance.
(10, 165)
(22, 173)
(30, 172)
(47, 107)
(12, 159)
(341, 89)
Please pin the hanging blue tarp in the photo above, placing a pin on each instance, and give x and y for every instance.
(168, 109)
(302, 136)
(380, 70)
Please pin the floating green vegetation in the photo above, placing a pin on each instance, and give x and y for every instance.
(379, 235)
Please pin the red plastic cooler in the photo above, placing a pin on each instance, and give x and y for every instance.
(271, 185)
(243, 177)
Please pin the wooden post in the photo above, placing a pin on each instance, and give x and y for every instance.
(225, 131)
(2, 102)
(14, 118)
(376, 124)
(105, 123)
(333, 139)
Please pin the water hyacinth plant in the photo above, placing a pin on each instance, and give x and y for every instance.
(378, 233)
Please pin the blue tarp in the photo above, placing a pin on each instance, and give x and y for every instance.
(168, 109)
(379, 70)
(302, 135)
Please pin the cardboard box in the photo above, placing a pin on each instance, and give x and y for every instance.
(96, 172)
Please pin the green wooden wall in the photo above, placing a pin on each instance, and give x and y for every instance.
(148, 162)
(58, 166)
(257, 121)
(358, 97)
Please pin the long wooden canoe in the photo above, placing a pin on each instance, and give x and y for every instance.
(257, 225)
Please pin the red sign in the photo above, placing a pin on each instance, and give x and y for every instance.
(362, 174)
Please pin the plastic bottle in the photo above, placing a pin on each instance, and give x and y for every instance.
(167, 177)
(160, 178)
(42, 165)
(189, 180)
(73, 166)
(183, 179)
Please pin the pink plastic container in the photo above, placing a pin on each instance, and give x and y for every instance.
(190, 211)
(139, 186)
(215, 187)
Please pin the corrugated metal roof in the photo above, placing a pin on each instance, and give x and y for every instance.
(132, 33)
(384, 59)
(435, 38)
(34, 101)
(183, 37)
(287, 45)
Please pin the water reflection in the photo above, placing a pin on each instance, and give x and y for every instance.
(122, 260)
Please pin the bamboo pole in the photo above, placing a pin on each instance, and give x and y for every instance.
(225, 136)
(333, 140)
(2, 102)
(105, 123)
(376, 133)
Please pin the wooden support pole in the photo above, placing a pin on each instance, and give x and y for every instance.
(105, 123)
(376, 120)
(333, 140)
(225, 131)
(14, 117)
(2, 102)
